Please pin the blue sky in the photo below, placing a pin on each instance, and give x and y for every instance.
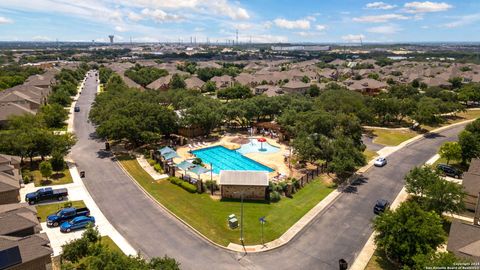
(258, 20)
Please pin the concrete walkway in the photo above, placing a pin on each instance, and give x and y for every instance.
(149, 169)
(78, 192)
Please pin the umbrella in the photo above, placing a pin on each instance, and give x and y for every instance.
(261, 140)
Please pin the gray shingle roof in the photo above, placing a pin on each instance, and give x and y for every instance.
(243, 178)
(464, 240)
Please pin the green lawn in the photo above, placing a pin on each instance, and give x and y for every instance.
(454, 163)
(369, 155)
(61, 178)
(210, 216)
(459, 117)
(379, 262)
(47, 209)
(392, 137)
(106, 240)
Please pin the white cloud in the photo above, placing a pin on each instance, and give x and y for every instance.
(160, 15)
(320, 27)
(380, 18)
(426, 7)
(134, 16)
(380, 5)
(4, 20)
(119, 28)
(353, 38)
(297, 24)
(244, 26)
(385, 29)
(309, 34)
(41, 38)
(463, 20)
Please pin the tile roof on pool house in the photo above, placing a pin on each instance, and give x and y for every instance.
(243, 178)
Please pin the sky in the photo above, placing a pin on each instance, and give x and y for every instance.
(319, 21)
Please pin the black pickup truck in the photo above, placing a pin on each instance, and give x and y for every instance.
(46, 194)
(66, 214)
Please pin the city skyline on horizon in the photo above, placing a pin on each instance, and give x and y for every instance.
(264, 21)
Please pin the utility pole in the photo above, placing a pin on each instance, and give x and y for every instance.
(237, 36)
(262, 221)
(241, 219)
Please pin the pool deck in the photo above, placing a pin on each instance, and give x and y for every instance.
(272, 160)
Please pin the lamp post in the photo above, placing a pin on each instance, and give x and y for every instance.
(211, 178)
(262, 221)
(241, 215)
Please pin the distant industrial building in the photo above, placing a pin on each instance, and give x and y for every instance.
(312, 48)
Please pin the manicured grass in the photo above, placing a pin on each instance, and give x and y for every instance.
(106, 240)
(379, 262)
(209, 216)
(459, 117)
(392, 137)
(47, 209)
(369, 155)
(60, 178)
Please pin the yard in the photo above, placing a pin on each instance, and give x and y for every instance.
(459, 117)
(209, 216)
(392, 137)
(47, 209)
(107, 241)
(369, 155)
(59, 178)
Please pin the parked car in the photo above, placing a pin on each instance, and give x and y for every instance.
(66, 214)
(45, 194)
(449, 170)
(380, 162)
(77, 223)
(381, 206)
(76, 109)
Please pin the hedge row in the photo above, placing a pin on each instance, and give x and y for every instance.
(185, 185)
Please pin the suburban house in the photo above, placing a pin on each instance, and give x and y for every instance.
(194, 83)
(224, 81)
(21, 246)
(268, 90)
(366, 86)
(471, 184)
(161, 83)
(295, 87)
(464, 240)
(252, 185)
(9, 179)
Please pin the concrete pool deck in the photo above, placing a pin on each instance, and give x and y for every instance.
(276, 160)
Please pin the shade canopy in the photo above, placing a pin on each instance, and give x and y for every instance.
(262, 140)
(185, 165)
(170, 155)
(198, 170)
(165, 150)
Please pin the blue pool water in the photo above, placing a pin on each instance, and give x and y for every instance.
(225, 159)
(254, 146)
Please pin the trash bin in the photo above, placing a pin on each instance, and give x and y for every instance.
(233, 223)
(82, 174)
(343, 265)
(107, 146)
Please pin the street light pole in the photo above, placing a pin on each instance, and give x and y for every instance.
(241, 218)
(211, 177)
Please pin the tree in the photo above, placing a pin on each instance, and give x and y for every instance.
(456, 82)
(177, 82)
(313, 90)
(305, 79)
(54, 115)
(46, 169)
(437, 260)
(433, 192)
(346, 157)
(470, 145)
(58, 164)
(407, 232)
(209, 87)
(451, 151)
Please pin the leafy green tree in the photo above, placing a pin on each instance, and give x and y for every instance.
(177, 82)
(346, 158)
(313, 90)
(305, 79)
(436, 260)
(54, 115)
(374, 76)
(419, 179)
(456, 82)
(408, 232)
(235, 92)
(470, 145)
(46, 169)
(57, 161)
(451, 151)
(209, 87)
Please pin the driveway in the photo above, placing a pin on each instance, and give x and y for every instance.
(340, 231)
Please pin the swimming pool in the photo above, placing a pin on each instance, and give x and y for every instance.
(224, 159)
(254, 146)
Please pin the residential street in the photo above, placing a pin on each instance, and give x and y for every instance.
(340, 231)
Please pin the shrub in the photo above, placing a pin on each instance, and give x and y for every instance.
(185, 185)
(282, 186)
(151, 162)
(27, 176)
(158, 168)
(274, 196)
(209, 184)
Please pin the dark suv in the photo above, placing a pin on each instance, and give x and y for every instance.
(381, 206)
(449, 170)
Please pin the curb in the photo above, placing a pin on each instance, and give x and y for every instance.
(165, 208)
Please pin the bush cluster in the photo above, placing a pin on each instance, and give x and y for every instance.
(158, 168)
(185, 185)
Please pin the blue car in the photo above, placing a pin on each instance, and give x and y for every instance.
(77, 223)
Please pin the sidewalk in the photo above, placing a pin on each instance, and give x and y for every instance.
(368, 250)
(149, 169)
(78, 192)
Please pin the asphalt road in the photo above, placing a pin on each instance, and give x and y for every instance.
(340, 231)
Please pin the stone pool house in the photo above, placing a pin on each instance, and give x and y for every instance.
(252, 184)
